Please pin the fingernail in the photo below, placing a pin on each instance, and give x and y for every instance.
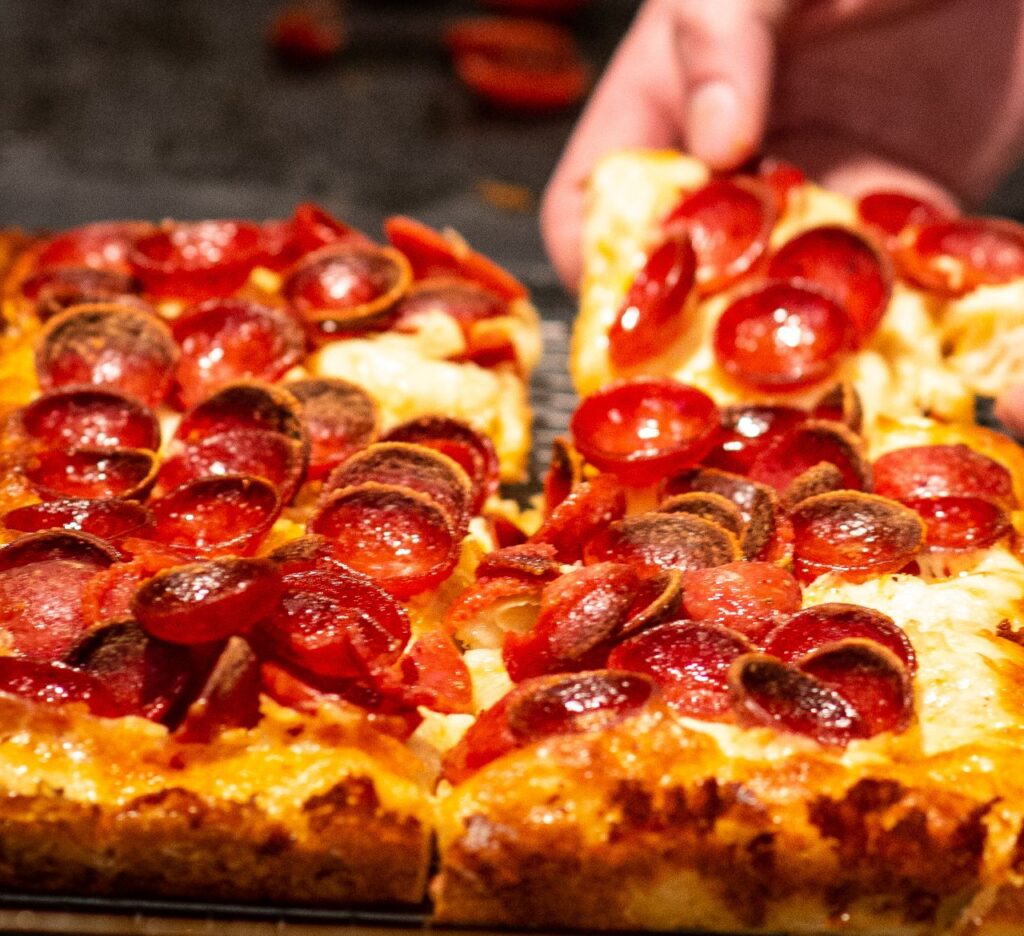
(711, 125)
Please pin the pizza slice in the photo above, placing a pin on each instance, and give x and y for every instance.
(767, 687)
(765, 287)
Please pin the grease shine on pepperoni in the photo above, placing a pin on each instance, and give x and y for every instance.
(643, 430)
(958, 255)
(196, 260)
(653, 316)
(729, 222)
(105, 245)
(782, 336)
(803, 447)
(309, 228)
(109, 346)
(941, 471)
(230, 697)
(689, 661)
(225, 340)
(746, 430)
(893, 212)
(957, 524)
(53, 291)
(585, 512)
(92, 473)
(462, 300)
(246, 404)
(91, 416)
(339, 418)
(52, 683)
(109, 519)
(845, 266)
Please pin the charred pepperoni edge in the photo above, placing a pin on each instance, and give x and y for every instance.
(265, 405)
(331, 397)
(842, 401)
(83, 395)
(715, 508)
(822, 478)
(588, 509)
(848, 442)
(308, 553)
(57, 514)
(707, 543)
(230, 697)
(141, 458)
(533, 560)
(663, 607)
(565, 472)
(58, 544)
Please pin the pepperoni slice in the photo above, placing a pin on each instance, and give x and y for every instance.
(256, 452)
(399, 537)
(751, 598)
(353, 287)
(649, 542)
(653, 316)
(729, 222)
(334, 622)
(856, 535)
(955, 256)
(216, 516)
(747, 429)
(892, 212)
(92, 472)
(689, 661)
(845, 266)
(494, 604)
(53, 291)
(244, 405)
(310, 227)
(768, 692)
(52, 683)
(587, 511)
(433, 254)
(339, 418)
(487, 739)
(782, 178)
(643, 429)
(196, 260)
(109, 593)
(109, 519)
(207, 601)
(869, 677)
(309, 553)
(580, 613)
(464, 301)
(58, 544)
(224, 340)
(841, 404)
(416, 467)
(806, 445)
(110, 346)
(90, 416)
(104, 245)
(819, 479)
(822, 625)
(533, 560)
(565, 472)
(230, 697)
(505, 531)
(714, 508)
(144, 676)
(957, 524)
(471, 450)
(435, 675)
(941, 471)
(782, 336)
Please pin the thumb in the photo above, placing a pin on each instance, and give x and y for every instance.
(1010, 409)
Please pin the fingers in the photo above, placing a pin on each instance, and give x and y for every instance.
(691, 72)
(1010, 409)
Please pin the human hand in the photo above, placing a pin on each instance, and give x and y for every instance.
(925, 96)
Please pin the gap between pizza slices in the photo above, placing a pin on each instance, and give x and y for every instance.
(754, 663)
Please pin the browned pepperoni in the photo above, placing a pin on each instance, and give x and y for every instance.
(565, 472)
(805, 446)
(588, 510)
(246, 404)
(230, 697)
(53, 291)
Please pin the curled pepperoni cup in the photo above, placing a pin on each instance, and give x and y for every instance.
(51, 683)
(892, 212)
(196, 260)
(256, 452)
(868, 676)
(752, 598)
(216, 516)
(105, 245)
(822, 625)
(109, 519)
(588, 510)
(58, 545)
(578, 703)
(714, 508)
(958, 255)
(246, 404)
(462, 300)
(855, 535)
(309, 228)
(941, 471)
(110, 346)
(415, 467)
(53, 291)
(308, 553)
(822, 478)
(782, 336)
(472, 450)
(844, 266)
(399, 537)
(352, 286)
(529, 560)
(91, 416)
(689, 661)
(747, 429)
(803, 447)
(230, 697)
(959, 524)
(565, 472)
(207, 601)
(336, 623)
(643, 430)
(224, 340)
(841, 404)
(92, 472)
(339, 418)
(144, 676)
(729, 222)
(433, 254)
(653, 315)
(649, 542)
